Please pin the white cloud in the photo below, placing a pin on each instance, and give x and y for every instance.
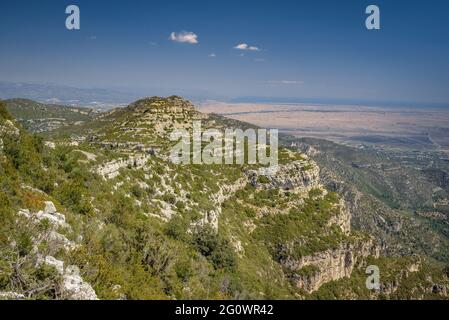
(212, 55)
(184, 37)
(244, 46)
(286, 82)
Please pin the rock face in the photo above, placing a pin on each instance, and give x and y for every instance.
(226, 192)
(342, 220)
(111, 169)
(302, 175)
(329, 265)
(390, 286)
(299, 175)
(312, 271)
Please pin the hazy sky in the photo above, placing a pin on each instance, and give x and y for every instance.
(303, 49)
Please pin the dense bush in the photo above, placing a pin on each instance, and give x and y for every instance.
(73, 195)
(214, 247)
(177, 228)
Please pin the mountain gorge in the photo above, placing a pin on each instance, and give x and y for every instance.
(93, 208)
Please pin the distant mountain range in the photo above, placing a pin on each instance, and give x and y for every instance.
(108, 98)
(96, 98)
(65, 95)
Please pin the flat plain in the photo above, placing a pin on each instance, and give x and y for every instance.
(392, 127)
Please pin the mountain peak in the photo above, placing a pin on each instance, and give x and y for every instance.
(173, 104)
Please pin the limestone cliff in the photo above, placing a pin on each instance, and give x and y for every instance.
(302, 175)
(311, 272)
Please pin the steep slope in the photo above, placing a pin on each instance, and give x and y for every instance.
(408, 277)
(394, 199)
(29, 239)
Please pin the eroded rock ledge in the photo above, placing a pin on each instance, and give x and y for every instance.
(311, 272)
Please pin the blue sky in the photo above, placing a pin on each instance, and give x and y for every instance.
(316, 50)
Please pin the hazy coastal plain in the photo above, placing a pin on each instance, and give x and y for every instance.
(416, 128)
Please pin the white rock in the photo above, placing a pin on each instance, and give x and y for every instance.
(50, 144)
(50, 207)
(24, 212)
(11, 296)
(58, 264)
(62, 240)
(53, 219)
(111, 169)
(75, 288)
(50, 213)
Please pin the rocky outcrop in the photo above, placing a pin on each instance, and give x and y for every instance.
(54, 239)
(226, 191)
(73, 287)
(8, 128)
(302, 175)
(55, 263)
(44, 125)
(49, 213)
(343, 219)
(311, 272)
(111, 169)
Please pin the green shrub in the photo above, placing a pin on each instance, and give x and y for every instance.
(72, 195)
(177, 228)
(214, 247)
(169, 198)
(137, 191)
(263, 179)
